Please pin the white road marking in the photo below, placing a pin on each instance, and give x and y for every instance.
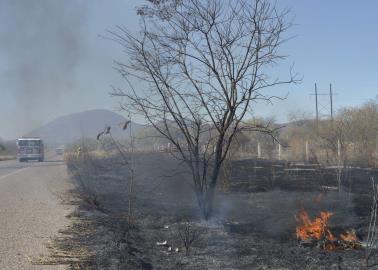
(12, 173)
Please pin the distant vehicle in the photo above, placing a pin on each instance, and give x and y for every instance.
(59, 151)
(30, 149)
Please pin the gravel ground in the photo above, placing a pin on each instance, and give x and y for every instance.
(31, 211)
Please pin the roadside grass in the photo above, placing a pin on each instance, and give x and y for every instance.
(73, 246)
(4, 158)
(97, 238)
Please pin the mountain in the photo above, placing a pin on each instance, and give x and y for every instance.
(88, 124)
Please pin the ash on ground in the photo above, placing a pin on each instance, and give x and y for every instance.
(249, 230)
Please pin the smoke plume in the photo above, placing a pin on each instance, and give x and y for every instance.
(41, 45)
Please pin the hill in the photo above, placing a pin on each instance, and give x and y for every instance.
(88, 124)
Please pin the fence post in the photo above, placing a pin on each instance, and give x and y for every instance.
(338, 149)
(258, 150)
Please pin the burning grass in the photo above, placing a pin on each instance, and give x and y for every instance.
(317, 232)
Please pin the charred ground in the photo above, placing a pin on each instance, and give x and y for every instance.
(249, 230)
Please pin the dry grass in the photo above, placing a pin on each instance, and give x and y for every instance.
(3, 158)
(68, 249)
(73, 156)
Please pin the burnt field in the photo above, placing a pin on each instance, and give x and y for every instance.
(255, 225)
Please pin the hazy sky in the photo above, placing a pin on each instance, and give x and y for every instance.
(53, 60)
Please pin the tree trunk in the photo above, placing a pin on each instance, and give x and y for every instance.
(206, 201)
(208, 211)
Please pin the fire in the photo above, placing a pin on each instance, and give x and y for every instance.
(314, 230)
(317, 231)
(349, 236)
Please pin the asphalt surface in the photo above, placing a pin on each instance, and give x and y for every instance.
(31, 210)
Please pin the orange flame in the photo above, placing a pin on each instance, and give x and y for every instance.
(349, 236)
(314, 229)
(317, 229)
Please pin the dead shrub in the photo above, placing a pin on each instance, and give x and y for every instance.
(188, 235)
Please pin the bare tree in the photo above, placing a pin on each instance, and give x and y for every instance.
(194, 72)
(372, 237)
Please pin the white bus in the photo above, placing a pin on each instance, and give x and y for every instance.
(30, 149)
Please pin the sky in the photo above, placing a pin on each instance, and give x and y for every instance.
(55, 58)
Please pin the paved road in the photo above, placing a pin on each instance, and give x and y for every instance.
(31, 210)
